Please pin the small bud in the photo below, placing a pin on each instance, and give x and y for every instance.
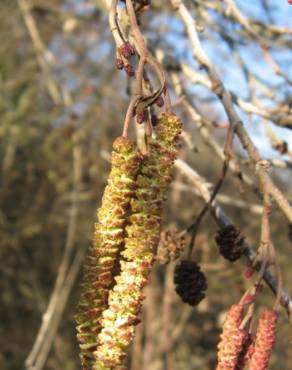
(127, 50)
(249, 298)
(140, 117)
(119, 63)
(249, 271)
(160, 102)
(129, 70)
(132, 50)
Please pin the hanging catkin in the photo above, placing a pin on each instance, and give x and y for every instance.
(231, 340)
(265, 339)
(108, 241)
(125, 300)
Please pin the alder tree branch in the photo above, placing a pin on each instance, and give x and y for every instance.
(222, 220)
(139, 102)
(226, 100)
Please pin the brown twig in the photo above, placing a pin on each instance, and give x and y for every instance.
(44, 57)
(140, 102)
(203, 126)
(225, 97)
(264, 248)
(255, 36)
(42, 340)
(195, 226)
(38, 362)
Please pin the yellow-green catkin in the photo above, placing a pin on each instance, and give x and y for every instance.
(125, 299)
(102, 260)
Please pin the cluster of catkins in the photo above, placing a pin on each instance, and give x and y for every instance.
(238, 348)
(124, 248)
(125, 52)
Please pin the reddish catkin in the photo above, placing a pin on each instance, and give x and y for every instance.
(265, 339)
(143, 231)
(108, 241)
(231, 340)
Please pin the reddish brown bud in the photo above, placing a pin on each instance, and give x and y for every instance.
(130, 70)
(140, 117)
(119, 63)
(160, 102)
(249, 271)
(249, 298)
(127, 50)
(131, 49)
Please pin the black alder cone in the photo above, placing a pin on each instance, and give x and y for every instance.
(191, 283)
(230, 242)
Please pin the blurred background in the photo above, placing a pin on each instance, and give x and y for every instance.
(62, 103)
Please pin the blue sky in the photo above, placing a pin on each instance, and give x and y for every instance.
(218, 52)
(251, 54)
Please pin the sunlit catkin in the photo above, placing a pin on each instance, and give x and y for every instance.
(265, 339)
(231, 340)
(125, 300)
(108, 241)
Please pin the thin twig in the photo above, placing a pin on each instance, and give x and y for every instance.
(48, 316)
(234, 119)
(44, 56)
(61, 303)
